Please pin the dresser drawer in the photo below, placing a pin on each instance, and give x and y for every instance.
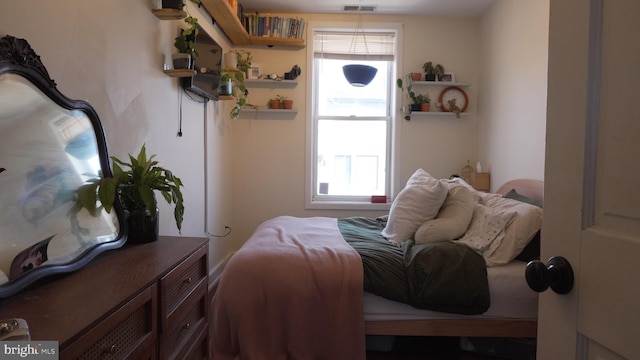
(179, 341)
(179, 284)
(128, 333)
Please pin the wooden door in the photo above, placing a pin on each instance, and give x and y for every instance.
(592, 180)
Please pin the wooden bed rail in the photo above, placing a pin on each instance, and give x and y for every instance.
(511, 328)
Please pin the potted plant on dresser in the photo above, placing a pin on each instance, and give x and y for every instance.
(135, 183)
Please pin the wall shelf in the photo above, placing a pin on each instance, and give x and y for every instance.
(170, 14)
(268, 83)
(441, 83)
(433, 114)
(264, 113)
(181, 72)
(231, 25)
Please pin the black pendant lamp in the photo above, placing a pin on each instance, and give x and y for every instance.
(358, 74)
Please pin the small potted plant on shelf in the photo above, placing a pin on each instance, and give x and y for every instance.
(185, 43)
(134, 183)
(276, 102)
(287, 103)
(432, 71)
(177, 4)
(422, 102)
(225, 87)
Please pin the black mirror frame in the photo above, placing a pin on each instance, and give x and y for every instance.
(17, 57)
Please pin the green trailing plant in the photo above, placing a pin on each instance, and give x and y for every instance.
(238, 91)
(411, 95)
(135, 182)
(244, 60)
(186, 41)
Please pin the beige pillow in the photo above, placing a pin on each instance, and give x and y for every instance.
(452, 219)
(518, 233)
(418, 202)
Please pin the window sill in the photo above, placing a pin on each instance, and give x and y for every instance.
(345, 205)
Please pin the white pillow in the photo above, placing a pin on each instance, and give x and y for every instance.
(418, 202)
(452, 219)
(519, 232)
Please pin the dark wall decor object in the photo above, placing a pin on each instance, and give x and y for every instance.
(293, 74)
(50, 145)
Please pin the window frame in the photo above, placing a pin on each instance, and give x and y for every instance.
(356, 202)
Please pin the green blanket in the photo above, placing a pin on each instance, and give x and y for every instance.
(444, 276)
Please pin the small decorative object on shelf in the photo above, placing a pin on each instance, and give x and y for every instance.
(454, 99)
(293, 74)
(448, 77)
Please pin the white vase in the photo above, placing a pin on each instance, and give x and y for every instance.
(231, 60)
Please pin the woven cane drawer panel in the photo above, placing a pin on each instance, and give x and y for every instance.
(178, 284)
(176, 342)
(127, 333)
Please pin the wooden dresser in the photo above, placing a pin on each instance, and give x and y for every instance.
(143, 301)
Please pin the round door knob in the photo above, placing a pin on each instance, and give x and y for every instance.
(557, 274)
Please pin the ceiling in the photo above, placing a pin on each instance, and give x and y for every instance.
(462, 8)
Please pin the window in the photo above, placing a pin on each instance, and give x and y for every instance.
(350, 128)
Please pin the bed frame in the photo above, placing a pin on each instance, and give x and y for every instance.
(472, 327)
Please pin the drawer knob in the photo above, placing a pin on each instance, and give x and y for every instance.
(110, 350)
(188, 280)
(186, 326)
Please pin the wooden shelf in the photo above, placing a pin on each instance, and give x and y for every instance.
(170, 14)
(229, 22)
(181, 72)
(226, 97)
(273, 41)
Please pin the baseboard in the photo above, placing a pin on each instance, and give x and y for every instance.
(216, 272)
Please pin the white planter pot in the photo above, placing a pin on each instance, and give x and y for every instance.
(231, 60)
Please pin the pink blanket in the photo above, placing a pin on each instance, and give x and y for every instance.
(293, 291)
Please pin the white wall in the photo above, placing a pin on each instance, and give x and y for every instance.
(513, 91)
(269, 155)
(111, 53)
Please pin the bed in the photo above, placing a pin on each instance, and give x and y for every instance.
(295, 288)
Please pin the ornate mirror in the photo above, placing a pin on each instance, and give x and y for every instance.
(50, 145)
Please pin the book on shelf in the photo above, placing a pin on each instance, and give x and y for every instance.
(261, 25)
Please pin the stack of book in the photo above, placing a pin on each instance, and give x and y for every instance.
(273, 26)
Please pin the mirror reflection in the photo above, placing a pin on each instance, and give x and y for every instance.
(46, 152)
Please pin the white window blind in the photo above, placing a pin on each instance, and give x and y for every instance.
(343, 45)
